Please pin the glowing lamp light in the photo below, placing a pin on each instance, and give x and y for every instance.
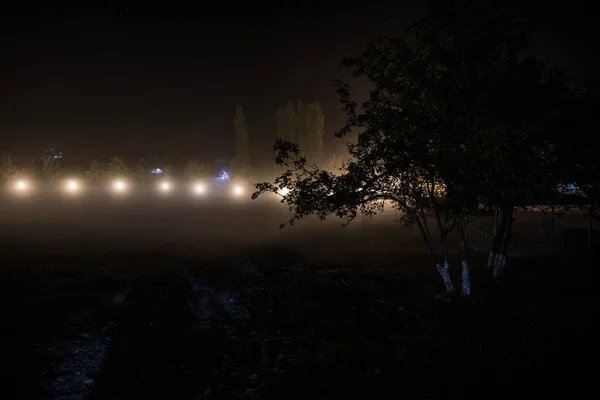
(119, 186)
(199, 188)
(165, 186)
(72, 186)
(21, 185)
(237, 190)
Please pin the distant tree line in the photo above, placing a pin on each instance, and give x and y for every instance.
(142, 170)
(49, 169)
(299, 122)
(302, 123)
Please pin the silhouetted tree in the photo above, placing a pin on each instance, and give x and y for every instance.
(27, 169)
(141, 172)
(50, 165)
(10, 170)
(333, 163)
(285, 122)
(193, 169)
(302, 123)
(96, 171)
(580, 150)
(314, 123)
(503, 108)
(7, 169)
(241, 160)
(454, 122)
(168, 172)
(116, 167)
(301, 127)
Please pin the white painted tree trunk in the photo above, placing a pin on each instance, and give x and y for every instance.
(491, 260)
(464, 254)
(500, 262)
(445, 274)
(500, 240)
(443, 271)
(466, 279)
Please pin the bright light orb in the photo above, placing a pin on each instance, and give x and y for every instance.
(238, 190)
(119, 185)
(165, 186)
(72, 186)
(199, 188)
(283, 191)
(21, 185)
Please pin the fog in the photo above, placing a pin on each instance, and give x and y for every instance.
(206, 226)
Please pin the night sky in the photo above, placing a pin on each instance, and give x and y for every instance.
(102, 82)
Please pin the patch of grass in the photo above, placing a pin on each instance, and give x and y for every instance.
(337, 331)
(321, 329)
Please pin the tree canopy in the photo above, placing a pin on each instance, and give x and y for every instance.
(117, 167)
(461, 120)
(193, 169)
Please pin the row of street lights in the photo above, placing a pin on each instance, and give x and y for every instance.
(75, 186)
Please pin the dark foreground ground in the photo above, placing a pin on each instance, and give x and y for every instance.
(144, 300)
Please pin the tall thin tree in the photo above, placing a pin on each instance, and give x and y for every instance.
(285, 120)
(241, 160)
(302, 132)
(315, 123)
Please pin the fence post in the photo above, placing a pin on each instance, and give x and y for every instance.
(552, 226)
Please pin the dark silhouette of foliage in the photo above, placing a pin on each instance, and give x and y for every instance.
(458, 122)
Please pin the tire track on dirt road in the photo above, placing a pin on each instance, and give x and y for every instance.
(75, 361)
(154, 352)
(180, 335)
(57, 333)
(218, 309)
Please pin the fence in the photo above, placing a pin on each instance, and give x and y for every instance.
(533, 233)
(479, 239)
(529, 236)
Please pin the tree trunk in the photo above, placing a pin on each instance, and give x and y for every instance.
(465, 275)
(590, 229)
(445, 271)
(497, 242)
(442, 270)
(445, 274)
(500, 263)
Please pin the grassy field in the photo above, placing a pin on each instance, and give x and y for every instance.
(186, 305)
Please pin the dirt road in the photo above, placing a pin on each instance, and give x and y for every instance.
(176, 334)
